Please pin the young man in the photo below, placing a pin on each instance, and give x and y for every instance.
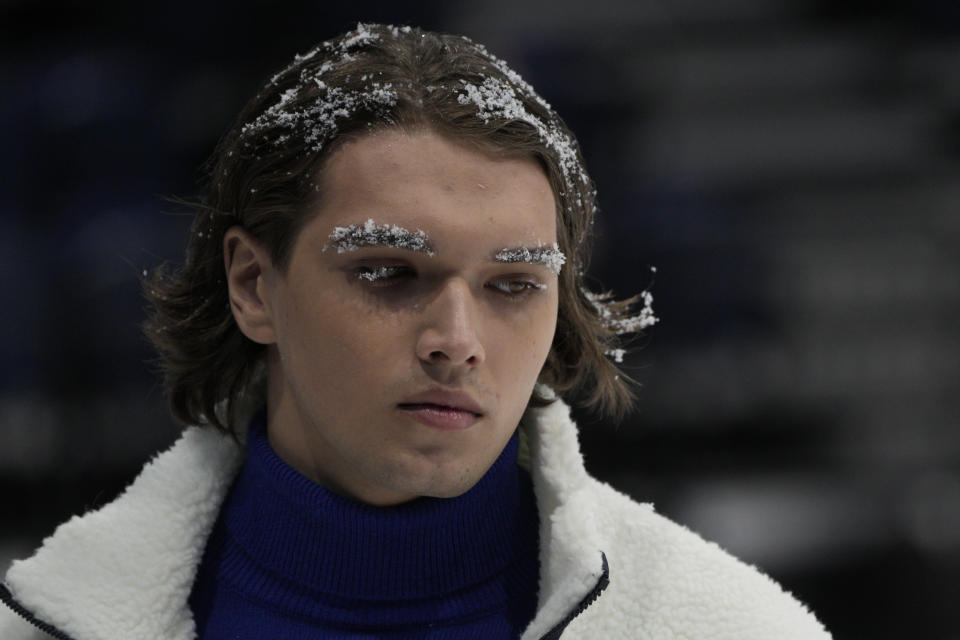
(382, 296)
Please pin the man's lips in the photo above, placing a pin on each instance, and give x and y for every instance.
(444, 399)
(445, 410)
(440, 417)
(417, 406)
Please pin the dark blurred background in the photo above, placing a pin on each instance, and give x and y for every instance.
(789, 166)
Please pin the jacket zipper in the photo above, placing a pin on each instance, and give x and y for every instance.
(602, 582)
(7, 598)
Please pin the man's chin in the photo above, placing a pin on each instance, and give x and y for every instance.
(444, 484)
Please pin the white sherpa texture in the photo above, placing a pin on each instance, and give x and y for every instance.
(666, 583)
(126, 570)
(570, 554)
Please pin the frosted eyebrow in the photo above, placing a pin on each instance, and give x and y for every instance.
(370, 234)
(549, 256)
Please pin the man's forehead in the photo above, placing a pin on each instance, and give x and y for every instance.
(370, 233)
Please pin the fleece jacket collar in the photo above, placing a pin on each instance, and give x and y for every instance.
(125, 571)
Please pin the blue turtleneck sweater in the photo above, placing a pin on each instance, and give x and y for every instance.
(289, 559)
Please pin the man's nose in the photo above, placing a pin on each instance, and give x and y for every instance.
(449, 334)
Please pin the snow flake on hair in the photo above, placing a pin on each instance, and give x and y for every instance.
(496, 98)
(356, 38)
(351, 40)
(511, 75)
(616, 354)
(614, 315)
(396, 31)
(317, 119)
(316, 115)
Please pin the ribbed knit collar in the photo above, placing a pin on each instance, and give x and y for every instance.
(291, 527)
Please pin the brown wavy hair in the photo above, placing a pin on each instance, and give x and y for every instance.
(263, 176)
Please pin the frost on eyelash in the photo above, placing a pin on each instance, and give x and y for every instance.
(375, 273)
(369, 234)
(550, 257)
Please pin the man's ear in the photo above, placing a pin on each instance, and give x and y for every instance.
(246, 262)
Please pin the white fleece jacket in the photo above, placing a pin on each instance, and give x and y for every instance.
(124, 572)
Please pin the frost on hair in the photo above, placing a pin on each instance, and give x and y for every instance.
(617, 321)
(360, 36)
(616, 354)
(616, 317)
(495, 98)
(316, 117)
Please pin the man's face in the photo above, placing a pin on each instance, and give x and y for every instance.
(401, 362)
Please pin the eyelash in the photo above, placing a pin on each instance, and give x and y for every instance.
(526, 284)
(374, 274)
(390, 275)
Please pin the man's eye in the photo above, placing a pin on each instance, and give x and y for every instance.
(382, 274)
(516, 287)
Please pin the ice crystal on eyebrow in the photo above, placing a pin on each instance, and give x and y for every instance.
(369, 234)
(549, 256)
